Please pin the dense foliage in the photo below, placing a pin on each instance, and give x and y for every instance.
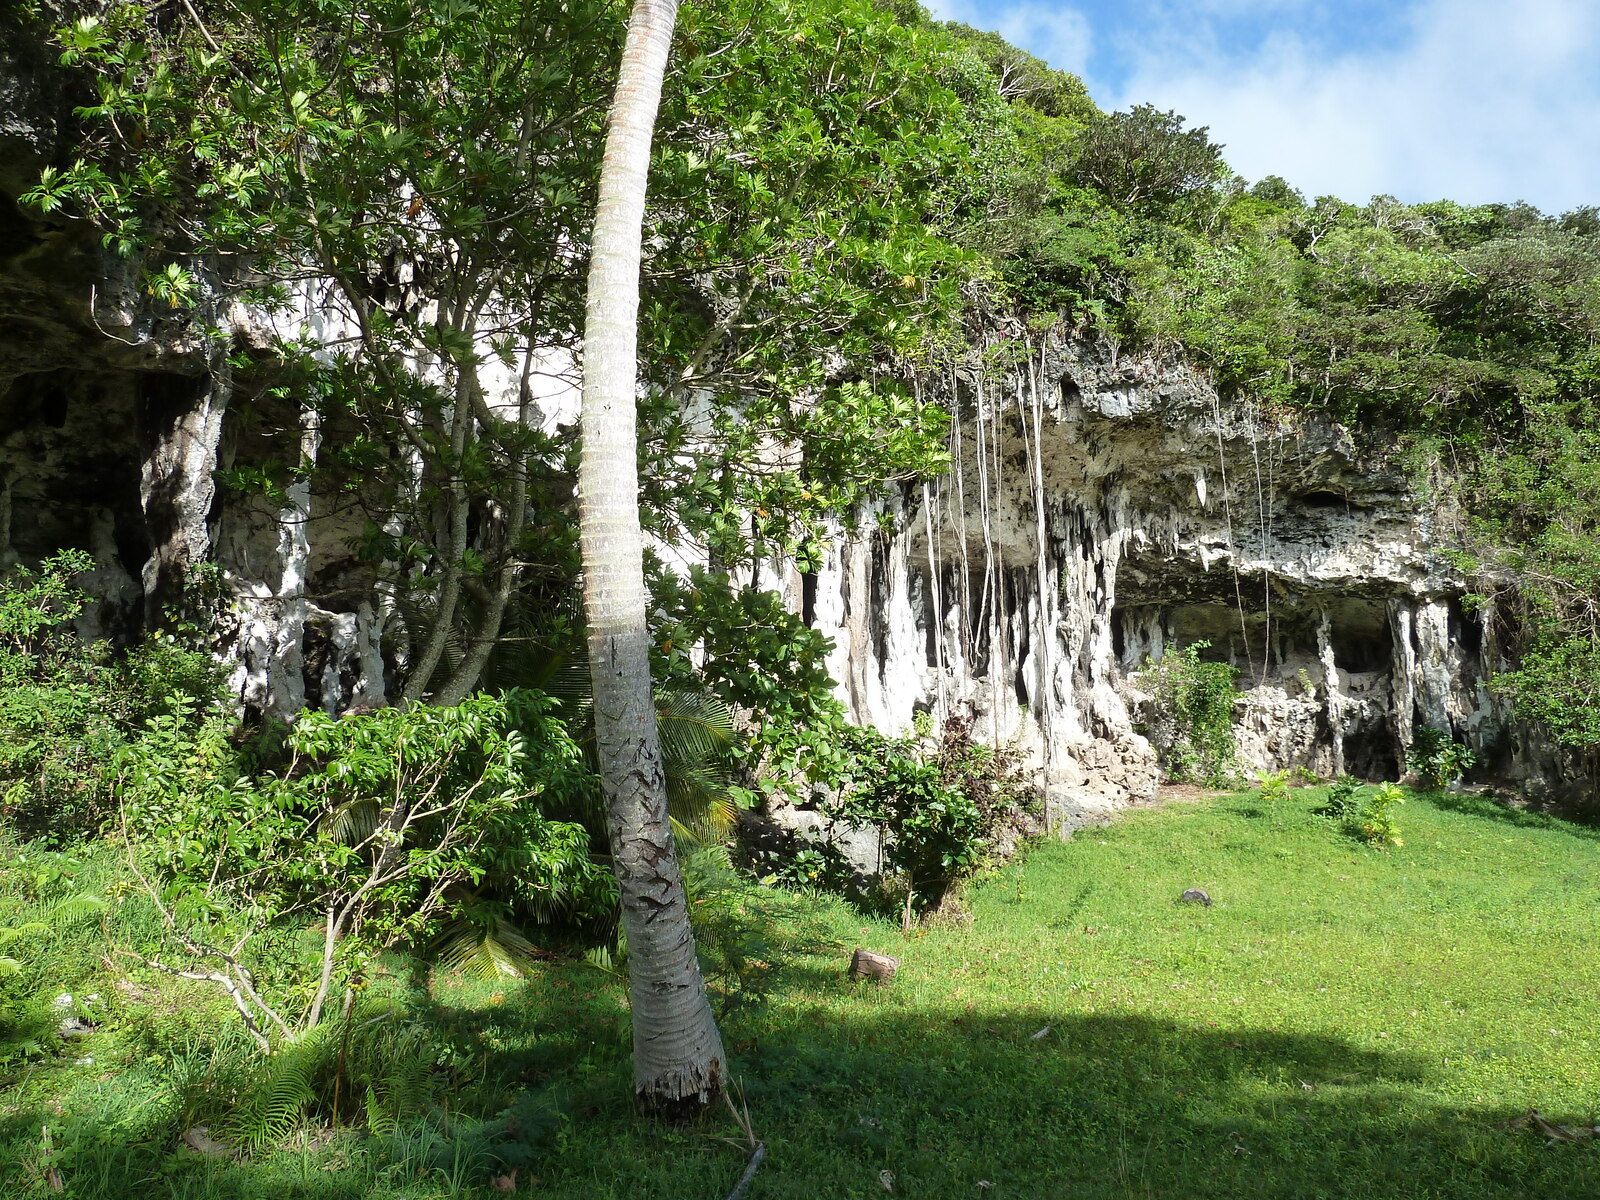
(67, 709)
(373, 825)
(1192, 716)
(1437, 760)
(937, 802)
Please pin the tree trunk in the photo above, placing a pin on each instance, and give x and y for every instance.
(453, 550)
(677, 1052)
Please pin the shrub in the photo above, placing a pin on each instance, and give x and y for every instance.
(938, 808)
(1374, 821)
(1194, 732)
(374, 826)
(67, 707)
(808, 859)
(1437, 760)
(1343, 798)
(1274, 786)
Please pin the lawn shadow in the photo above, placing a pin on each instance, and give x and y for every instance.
(1119, 1104)
(1049, 1103)
(847, 1081)
(1071, 908)
(1490, 808)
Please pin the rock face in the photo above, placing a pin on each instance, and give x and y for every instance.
(1099, 511)
(114, 425)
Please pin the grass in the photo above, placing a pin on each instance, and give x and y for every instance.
(1341, 1022)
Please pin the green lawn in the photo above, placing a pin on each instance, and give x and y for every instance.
(1342, 1021)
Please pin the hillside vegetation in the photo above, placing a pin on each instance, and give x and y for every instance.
(845, 194)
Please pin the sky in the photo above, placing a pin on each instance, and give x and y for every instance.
(1468, 100)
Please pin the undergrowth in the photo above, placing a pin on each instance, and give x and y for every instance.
(1192, 725)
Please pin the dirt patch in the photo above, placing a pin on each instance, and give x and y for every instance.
(1172, 793)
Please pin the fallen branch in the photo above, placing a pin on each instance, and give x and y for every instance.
(1533, 1119)
(743, 1185)
(228, 986)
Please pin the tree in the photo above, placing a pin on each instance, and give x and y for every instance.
(417, 172)
(1144, 159)
(677, 1051)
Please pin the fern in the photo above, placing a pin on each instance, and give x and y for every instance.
(404, 1086)
(63, 911)
(277, 1099)
(15, 933)
(380, 1121)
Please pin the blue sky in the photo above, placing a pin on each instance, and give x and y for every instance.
(1474, 100)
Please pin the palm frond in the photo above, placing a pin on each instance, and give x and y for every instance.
(527, 653)
(701, 809)
(354, 821)
(694, 724)
(489, 949)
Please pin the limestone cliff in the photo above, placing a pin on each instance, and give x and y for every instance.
(1099, 511)
(1103, 510)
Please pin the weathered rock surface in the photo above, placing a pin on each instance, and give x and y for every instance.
(1103, 511)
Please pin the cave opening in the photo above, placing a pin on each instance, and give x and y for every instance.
(1363, 642)
(1324, 498)
(1362, 653)
(1465, 629)
(1369, 752)
(18, 234)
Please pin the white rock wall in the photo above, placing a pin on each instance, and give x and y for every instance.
(1164, 517)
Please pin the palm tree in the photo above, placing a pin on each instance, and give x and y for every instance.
(677, 1051)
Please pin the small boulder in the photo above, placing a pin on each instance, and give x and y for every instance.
(880, 968)
(1196, 896)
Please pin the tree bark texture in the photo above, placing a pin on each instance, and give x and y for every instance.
(677, 1051)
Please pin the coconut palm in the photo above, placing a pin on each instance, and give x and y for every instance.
(677, 1052)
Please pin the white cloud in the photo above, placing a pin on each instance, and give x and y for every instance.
(1059, 35)
(1482, 102)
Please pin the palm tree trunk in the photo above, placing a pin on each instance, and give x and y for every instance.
(677, 1052)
